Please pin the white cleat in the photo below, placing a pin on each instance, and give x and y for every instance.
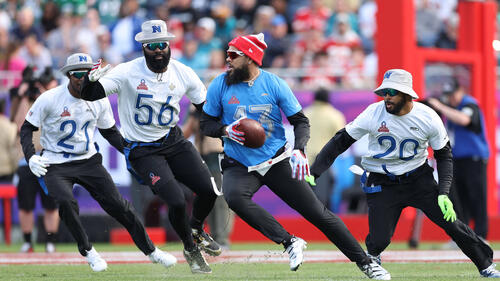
(50, 248)
(95, 261)
(163, 258)
(490, 272)
(26, 248)
(375, 271)
(295, 251)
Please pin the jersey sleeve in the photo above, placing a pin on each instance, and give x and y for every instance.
(438, 136)
(286, 99)
(113, 79)
(196, 92)
(105, 119)
(38, 110)
(213, 106)
(360, 126)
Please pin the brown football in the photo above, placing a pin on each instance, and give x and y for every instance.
(255, 135)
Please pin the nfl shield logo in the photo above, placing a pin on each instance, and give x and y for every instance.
(156, 28)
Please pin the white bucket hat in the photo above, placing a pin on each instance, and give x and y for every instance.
(77, 61)
(153, 31)
(398, 79)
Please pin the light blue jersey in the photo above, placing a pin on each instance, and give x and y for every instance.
(261, 102)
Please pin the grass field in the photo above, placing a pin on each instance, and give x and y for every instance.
(234, 271)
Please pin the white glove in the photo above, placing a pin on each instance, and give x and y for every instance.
(300, 165)
(38, 165)
(234, 134)
(97, 71)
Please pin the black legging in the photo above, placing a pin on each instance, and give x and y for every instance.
(239, 186)
(162, 168)
(90, 173)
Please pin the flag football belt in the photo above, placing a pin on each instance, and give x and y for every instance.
(368, 189)
(268, 163)
(129, 145)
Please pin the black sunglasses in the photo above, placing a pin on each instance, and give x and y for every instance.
(153, 46)
(390, 92)
(78, 74)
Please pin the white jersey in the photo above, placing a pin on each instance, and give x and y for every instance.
(68, 124)
(398, 142)
(148, 102)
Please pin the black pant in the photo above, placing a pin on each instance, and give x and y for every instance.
(470, 184)
(239, 186)
(27, 189)
(418, 190)
(161, 168)
(90, 174)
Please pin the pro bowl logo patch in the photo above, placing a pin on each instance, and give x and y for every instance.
(142, 85)
(383, 127)
(65, 112)
(154, 179)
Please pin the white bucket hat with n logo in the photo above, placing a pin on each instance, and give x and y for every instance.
(77, 61)
(154, 31)
(398, 79)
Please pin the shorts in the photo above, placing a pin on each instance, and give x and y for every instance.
(27, 188)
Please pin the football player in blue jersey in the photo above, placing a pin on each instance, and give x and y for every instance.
(246, 91)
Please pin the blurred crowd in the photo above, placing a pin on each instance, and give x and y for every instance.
(312, 44)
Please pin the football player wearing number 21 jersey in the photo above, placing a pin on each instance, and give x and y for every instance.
(70, 157)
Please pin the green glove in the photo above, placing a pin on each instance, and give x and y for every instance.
(310, 180)
(447, 208)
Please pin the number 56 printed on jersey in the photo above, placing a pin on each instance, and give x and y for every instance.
(148, 109)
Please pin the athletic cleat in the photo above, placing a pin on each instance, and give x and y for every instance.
(196, 261)
(206, 243)
(295, 251)
(375, 271)
(26, 248)
(490, 272)
(163, 258)
(50, 248)
(376, 259)
(95, 261)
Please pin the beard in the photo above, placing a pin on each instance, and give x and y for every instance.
(396, 107)
(155, 65)
(237, 75)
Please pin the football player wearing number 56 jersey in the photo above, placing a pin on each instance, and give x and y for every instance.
(245, 90)
(69, 157)
(149, 90)
(396, 174)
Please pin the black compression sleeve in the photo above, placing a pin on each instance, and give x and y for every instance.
(335, 146)
(301, 129)
(445, 168)
(92, 91)
(113, 136)
(211, 126)
(27, 140)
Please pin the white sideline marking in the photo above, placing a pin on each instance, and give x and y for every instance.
(237, 257)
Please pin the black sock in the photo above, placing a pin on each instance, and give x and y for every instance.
(27, 237)
(196, 224)
(51, 237)
(287, 242)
